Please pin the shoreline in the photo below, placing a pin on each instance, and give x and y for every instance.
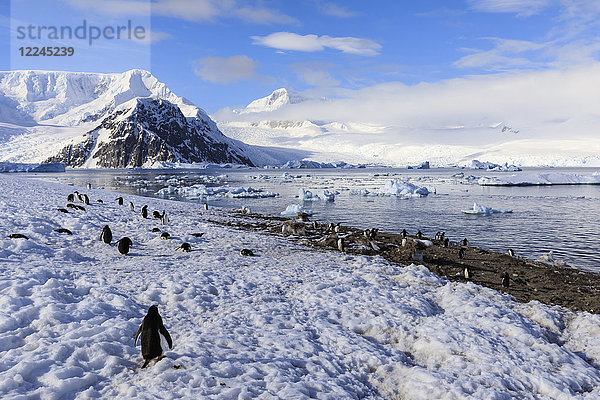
(547, 283)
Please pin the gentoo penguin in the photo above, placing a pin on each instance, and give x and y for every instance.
(106, 235)
(119, 200)
(367, 233)
(150, 330)
(78, 207)
(465, 242)
(71, 198)
(131, 206)
(156, 214)
(247, 252)
(80, 197)
(511, 252)
(145, 212)
(404, 233)
(446, 242)
(155, 229)
(437, 236)
(63, 210)
(419, 234)
(163, 218)
(63, 230)
(86, 200)
(467, 273)
(340, 244)
(185, 247)
(71, 205)
(17, 236)
(336, 228)
(442, 235)
(89, 185)
(206, 206)
(124, 244)
(505, 279)
(197, 234)
(165, 235)
(461, 253)
(100, 201)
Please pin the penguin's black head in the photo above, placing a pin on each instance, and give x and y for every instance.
(153, 310)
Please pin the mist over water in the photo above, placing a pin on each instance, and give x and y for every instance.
(561, 219)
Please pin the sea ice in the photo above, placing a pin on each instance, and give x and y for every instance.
(397, 187)
(479, 209)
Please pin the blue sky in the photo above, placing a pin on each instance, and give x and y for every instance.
(221, 53)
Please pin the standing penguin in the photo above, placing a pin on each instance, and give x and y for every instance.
(131, 206)
(446, 242)
(404, 233)
(505, 280)
(119, 200)
(340, 244)
(106, 235)
(461, 253)
(419, 234)
(511, 252)
(86, 199)
(145, 212)
(467, 273)
(206, 206)
(124, 244)
(465, 242)
(150, 330)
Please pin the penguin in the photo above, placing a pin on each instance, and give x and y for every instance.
(340, 244)
(442, 235)
(367, 233)
(86, 200)
(404, 242)
(71, 198)
(197, 234)
(63, 210)
(336, 228)
(331, 227)
(465, 242)
(404, 234)
(461, 253)
(124, 244)
(100, 201)
(71, 205)
(446, 243)
(145, 212)
(156, 214)
(247, 252)
(119, 200)
(80, 197)
(206, 206)
(78, 207)
(373, 233)
(467, 273)
(106, 235)
(315, 225)
(63, 230)
(185, 247)
(163, 218)
(165, 235)
(437, 236)
(17, 236)
(505, 280)
(511, 252)
(131, 206)
(89, 185)
(150, 330)
(419, 234)
(155, 229)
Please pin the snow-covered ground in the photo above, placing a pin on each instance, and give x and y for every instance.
(531, 179)
(289, 323)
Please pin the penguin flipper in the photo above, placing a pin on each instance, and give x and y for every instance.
(136, 337)
(165, 333)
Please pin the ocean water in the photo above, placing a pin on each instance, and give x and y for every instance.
(561, 219)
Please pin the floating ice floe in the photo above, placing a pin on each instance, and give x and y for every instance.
(293, 209)
(397, 187)
(20, 167)
(199, 190)
(476, 164)
(554, 178)
(307, 195)
(478, 209)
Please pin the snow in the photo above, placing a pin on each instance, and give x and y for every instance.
(291, 322)
(20, 167)
(400, 188)
(325, 195)
(293, 209)
(530, 179)
(200, 191)
(476, 164)
(479, 209)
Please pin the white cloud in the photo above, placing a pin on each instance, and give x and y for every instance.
(311, 43)
(336, 10)
(226, 70)
(502, 56)
(522, 8)
(190, 10)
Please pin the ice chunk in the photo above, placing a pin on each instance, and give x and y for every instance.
(479, 209)
(397, 187)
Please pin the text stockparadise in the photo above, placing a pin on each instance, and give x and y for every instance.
(84, 31)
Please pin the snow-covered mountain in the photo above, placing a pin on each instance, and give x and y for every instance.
(110, 120)
(371, 130)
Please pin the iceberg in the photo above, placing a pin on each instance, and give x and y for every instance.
(554, 178)
(397, 187)
(478, 209)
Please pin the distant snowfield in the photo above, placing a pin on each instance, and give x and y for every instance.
(291, 322)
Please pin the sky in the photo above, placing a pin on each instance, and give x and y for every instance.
(223, 53)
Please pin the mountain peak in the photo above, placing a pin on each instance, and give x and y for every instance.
(279, 98)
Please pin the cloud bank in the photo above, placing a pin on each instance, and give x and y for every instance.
(312, 43)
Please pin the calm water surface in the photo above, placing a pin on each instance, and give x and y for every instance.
(564, 219)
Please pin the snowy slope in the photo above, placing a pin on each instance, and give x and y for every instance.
(279, 98)
(44, 114)
(291, 322)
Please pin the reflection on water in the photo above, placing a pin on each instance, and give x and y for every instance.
(564, 219)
